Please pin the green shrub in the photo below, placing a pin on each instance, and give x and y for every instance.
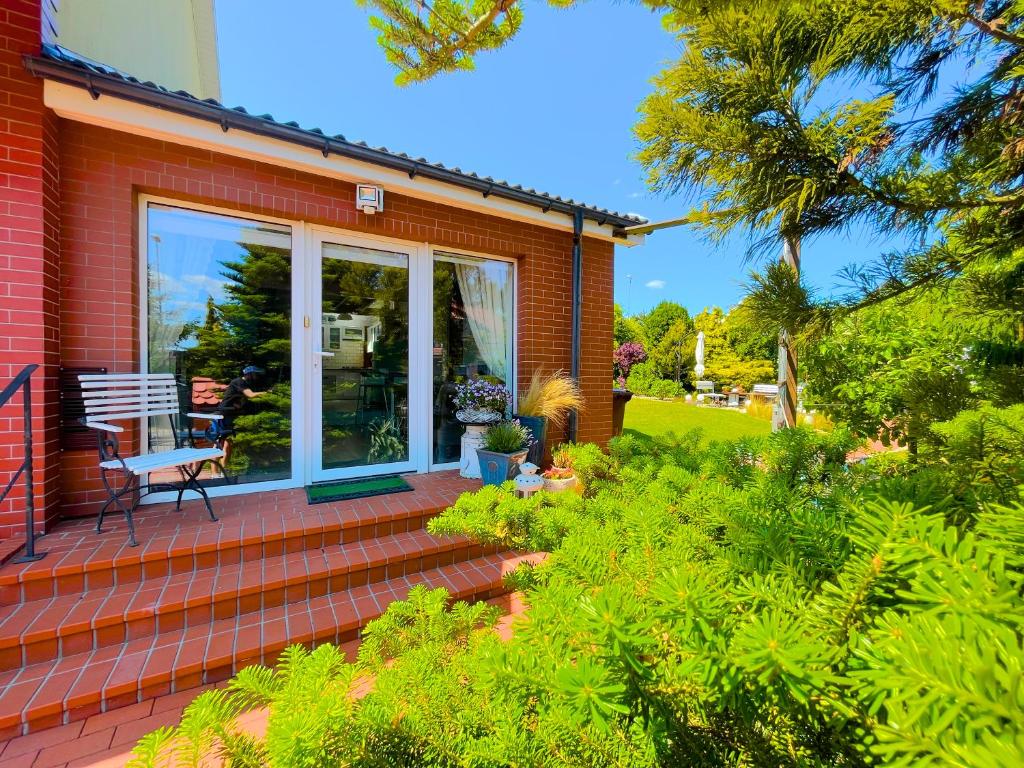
(664, 389)
(747, 604)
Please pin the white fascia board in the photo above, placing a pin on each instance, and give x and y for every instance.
(75, 103)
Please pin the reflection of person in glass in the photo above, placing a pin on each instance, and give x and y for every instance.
(237, 393)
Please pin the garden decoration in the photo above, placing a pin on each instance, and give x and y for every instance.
(478, 403)
(547, 400)
(528, 482)
(560, 477)
(505, 448)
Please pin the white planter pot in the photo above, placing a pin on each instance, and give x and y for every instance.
(564, 484)
(473, 416)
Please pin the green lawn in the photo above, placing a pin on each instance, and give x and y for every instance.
(658, 417)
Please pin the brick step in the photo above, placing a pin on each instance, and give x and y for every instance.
(251, 527)
(42, 630)
(76, 687)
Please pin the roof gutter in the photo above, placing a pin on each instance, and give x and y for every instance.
(98, 83)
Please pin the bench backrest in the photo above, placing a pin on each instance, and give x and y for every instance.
(705, 386)
(766, 389)
(113, 396)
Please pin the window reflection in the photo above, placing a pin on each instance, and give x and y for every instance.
(473, 322)
(219, 317)
(365, 379)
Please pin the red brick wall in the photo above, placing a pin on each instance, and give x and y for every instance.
(103, 172)
(29, 232)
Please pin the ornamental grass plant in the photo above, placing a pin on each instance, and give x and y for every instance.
(551, 396)
(507, 437)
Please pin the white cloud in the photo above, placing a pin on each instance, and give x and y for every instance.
(635, 195)
(656, 285)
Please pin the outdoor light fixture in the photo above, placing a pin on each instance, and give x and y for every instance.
(369, 198)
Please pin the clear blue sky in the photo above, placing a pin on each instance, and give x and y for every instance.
(553, 110)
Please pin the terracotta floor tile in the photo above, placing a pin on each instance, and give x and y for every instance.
(34, 742)
(124, 677)
(114, 718)
(14, 699)
(60, 754)
(130, 732)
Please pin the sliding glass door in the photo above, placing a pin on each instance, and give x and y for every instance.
(361, 361)
(473, 323)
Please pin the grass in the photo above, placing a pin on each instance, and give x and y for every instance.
(659, 417)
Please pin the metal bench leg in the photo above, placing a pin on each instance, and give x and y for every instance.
(115, 499)
(189, 481)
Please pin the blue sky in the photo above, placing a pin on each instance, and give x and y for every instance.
(553, 110)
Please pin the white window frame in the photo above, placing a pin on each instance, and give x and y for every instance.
(419, 327)
(303, 343)
(434, 251)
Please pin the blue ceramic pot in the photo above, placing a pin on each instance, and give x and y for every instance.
(496, 468)
(538, 426)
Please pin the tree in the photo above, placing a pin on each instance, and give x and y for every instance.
(673, 357)
(626, 356)
(750, 121)
(657, 322)
(626, 329)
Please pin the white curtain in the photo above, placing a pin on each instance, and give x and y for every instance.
(488, 303)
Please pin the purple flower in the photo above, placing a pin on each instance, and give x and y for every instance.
(628, 355)
(482, 395)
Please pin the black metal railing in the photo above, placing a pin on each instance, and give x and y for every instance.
(23, 381)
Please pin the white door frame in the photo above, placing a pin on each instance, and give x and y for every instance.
(305, 340)
(419, 369)
(513, 381)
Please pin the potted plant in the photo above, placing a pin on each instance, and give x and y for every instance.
(478, 401)
(560, 477)
(547, 400)
(505, 447)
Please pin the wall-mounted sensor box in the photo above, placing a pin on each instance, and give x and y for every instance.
(369, 198)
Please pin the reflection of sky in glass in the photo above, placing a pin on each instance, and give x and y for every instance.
(186, 254)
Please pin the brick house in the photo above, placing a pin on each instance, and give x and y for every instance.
(145, 229)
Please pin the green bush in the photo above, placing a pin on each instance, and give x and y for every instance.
(752, 603)
(664, 389)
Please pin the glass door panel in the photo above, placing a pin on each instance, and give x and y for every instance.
(219, 318)
(473, 322)
(363, 361)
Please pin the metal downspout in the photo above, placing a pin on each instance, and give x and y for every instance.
(577, 308)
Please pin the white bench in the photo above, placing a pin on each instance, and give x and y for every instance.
(134, 396)
(767, 391)
(706, 391)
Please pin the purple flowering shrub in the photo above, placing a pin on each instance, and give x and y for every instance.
(482, 395)
(626, 356)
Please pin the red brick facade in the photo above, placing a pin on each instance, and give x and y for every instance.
(101, 175)
(29, 233)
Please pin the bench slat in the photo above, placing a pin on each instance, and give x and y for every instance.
(140, 465)
(136, 414)
(169, 402)
(89, 377)
(128, 391)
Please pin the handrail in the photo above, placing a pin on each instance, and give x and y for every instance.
(23, 381)
(16, 383)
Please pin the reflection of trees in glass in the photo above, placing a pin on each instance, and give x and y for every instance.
(251, 326)
(358, 288)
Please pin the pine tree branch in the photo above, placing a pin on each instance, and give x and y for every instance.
(993, 29)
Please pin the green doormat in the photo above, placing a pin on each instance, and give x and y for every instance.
(355, 489)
